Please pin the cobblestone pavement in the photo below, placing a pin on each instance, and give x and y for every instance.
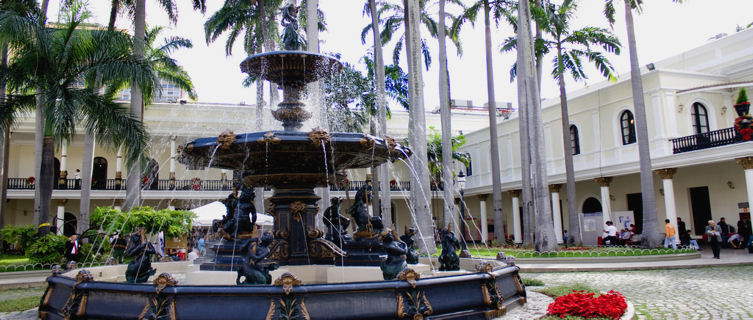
(701, 293)
(535, 307)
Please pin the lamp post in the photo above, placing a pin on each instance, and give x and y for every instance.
(460, 182)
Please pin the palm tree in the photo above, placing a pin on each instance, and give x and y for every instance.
(383, 172)
(650, 219)
(527, 80)
(138, 10)
(395, 22)
(571, 46)
(9, 115)
(56, 60)
(417, 127)
(499, 10)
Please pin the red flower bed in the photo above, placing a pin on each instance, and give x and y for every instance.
(580, 304)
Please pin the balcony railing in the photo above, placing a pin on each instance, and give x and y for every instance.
(185, 185)
(705, 140)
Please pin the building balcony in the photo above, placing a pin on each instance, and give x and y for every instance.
(178, 185)
(705, 140)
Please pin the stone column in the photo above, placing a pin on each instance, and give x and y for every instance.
(119, 169)
(747, 164)
(223, 178)
(482, 216)
(554, 189)
(606, 205)
(669, 193)
(517, 229)
(62, 181)
(60, 220)
(173, 154)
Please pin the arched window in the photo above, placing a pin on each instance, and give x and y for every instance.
(574, 140)
(700, 118)
(627, 122)
(591, 205)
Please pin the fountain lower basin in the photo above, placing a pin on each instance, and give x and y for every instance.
(312, 292)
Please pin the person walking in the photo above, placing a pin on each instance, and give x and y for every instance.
(714, 234)
(72, 249)
(200, 246)
(669, 239)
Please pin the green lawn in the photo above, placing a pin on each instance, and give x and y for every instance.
(574, 252)
(8, 259)
(20, 304)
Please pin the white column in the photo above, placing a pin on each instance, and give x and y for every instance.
(60, 217)
(556, 212)
(173, 154)
(64, 157)
(606, 201)
(747, 164)
(119, 162)
(517, 229)
(482, 217)
(669, 194)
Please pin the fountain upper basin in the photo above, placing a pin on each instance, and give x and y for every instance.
(290, 68)
(285, 158)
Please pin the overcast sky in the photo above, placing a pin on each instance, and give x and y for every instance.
(663, 30)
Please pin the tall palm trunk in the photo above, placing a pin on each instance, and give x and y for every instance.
(88, 152)
(86, 182)
(133, 184)
(499, 233)
(269, 45)
(4, 140)
(385, 203)
(574, 234)
(545, 238)
(650, 220)
(42, 196)
(420, 194)
(444, 107)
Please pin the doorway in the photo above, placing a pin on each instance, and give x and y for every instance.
(69, 225)
(99, 173)
(56, 175)
(700, 208)
(635, 204)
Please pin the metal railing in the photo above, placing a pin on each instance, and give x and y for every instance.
(180, 185)
(705, 140)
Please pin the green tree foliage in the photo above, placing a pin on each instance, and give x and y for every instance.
(434, 152)
(19, 236)
(173, 222)
(47, 249)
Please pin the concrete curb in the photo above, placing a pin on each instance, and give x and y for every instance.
(629, 312)
(624, 267)
(610, 259)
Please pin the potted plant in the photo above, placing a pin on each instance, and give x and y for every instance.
(742, 106)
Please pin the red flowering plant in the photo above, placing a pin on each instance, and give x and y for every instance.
(743, 127)
(581, 304)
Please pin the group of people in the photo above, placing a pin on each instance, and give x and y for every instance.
(614, 237)
(723, 235)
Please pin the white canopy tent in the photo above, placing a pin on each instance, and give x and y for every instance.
(214, 211)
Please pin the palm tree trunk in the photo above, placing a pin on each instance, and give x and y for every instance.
(574, 233)
(539, 55)
(420, 194)
(269, 45)
(385, 203)
(133, 184)
(39, 129)
(114, 7)
(545, 239)
(4, 139)
(86, 182)
(650, 219)
(44, 183)
(499, 233)
(444, 107)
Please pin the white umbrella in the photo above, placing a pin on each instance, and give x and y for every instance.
(215, 210)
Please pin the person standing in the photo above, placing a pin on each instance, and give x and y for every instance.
(77, 177)
(744, 229)
(714, 234)
(669, 239)
(611, 234)
(200, 245)
(72, 249)
(681, 227)
(725, 231)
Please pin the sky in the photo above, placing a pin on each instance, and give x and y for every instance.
(663, 29)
